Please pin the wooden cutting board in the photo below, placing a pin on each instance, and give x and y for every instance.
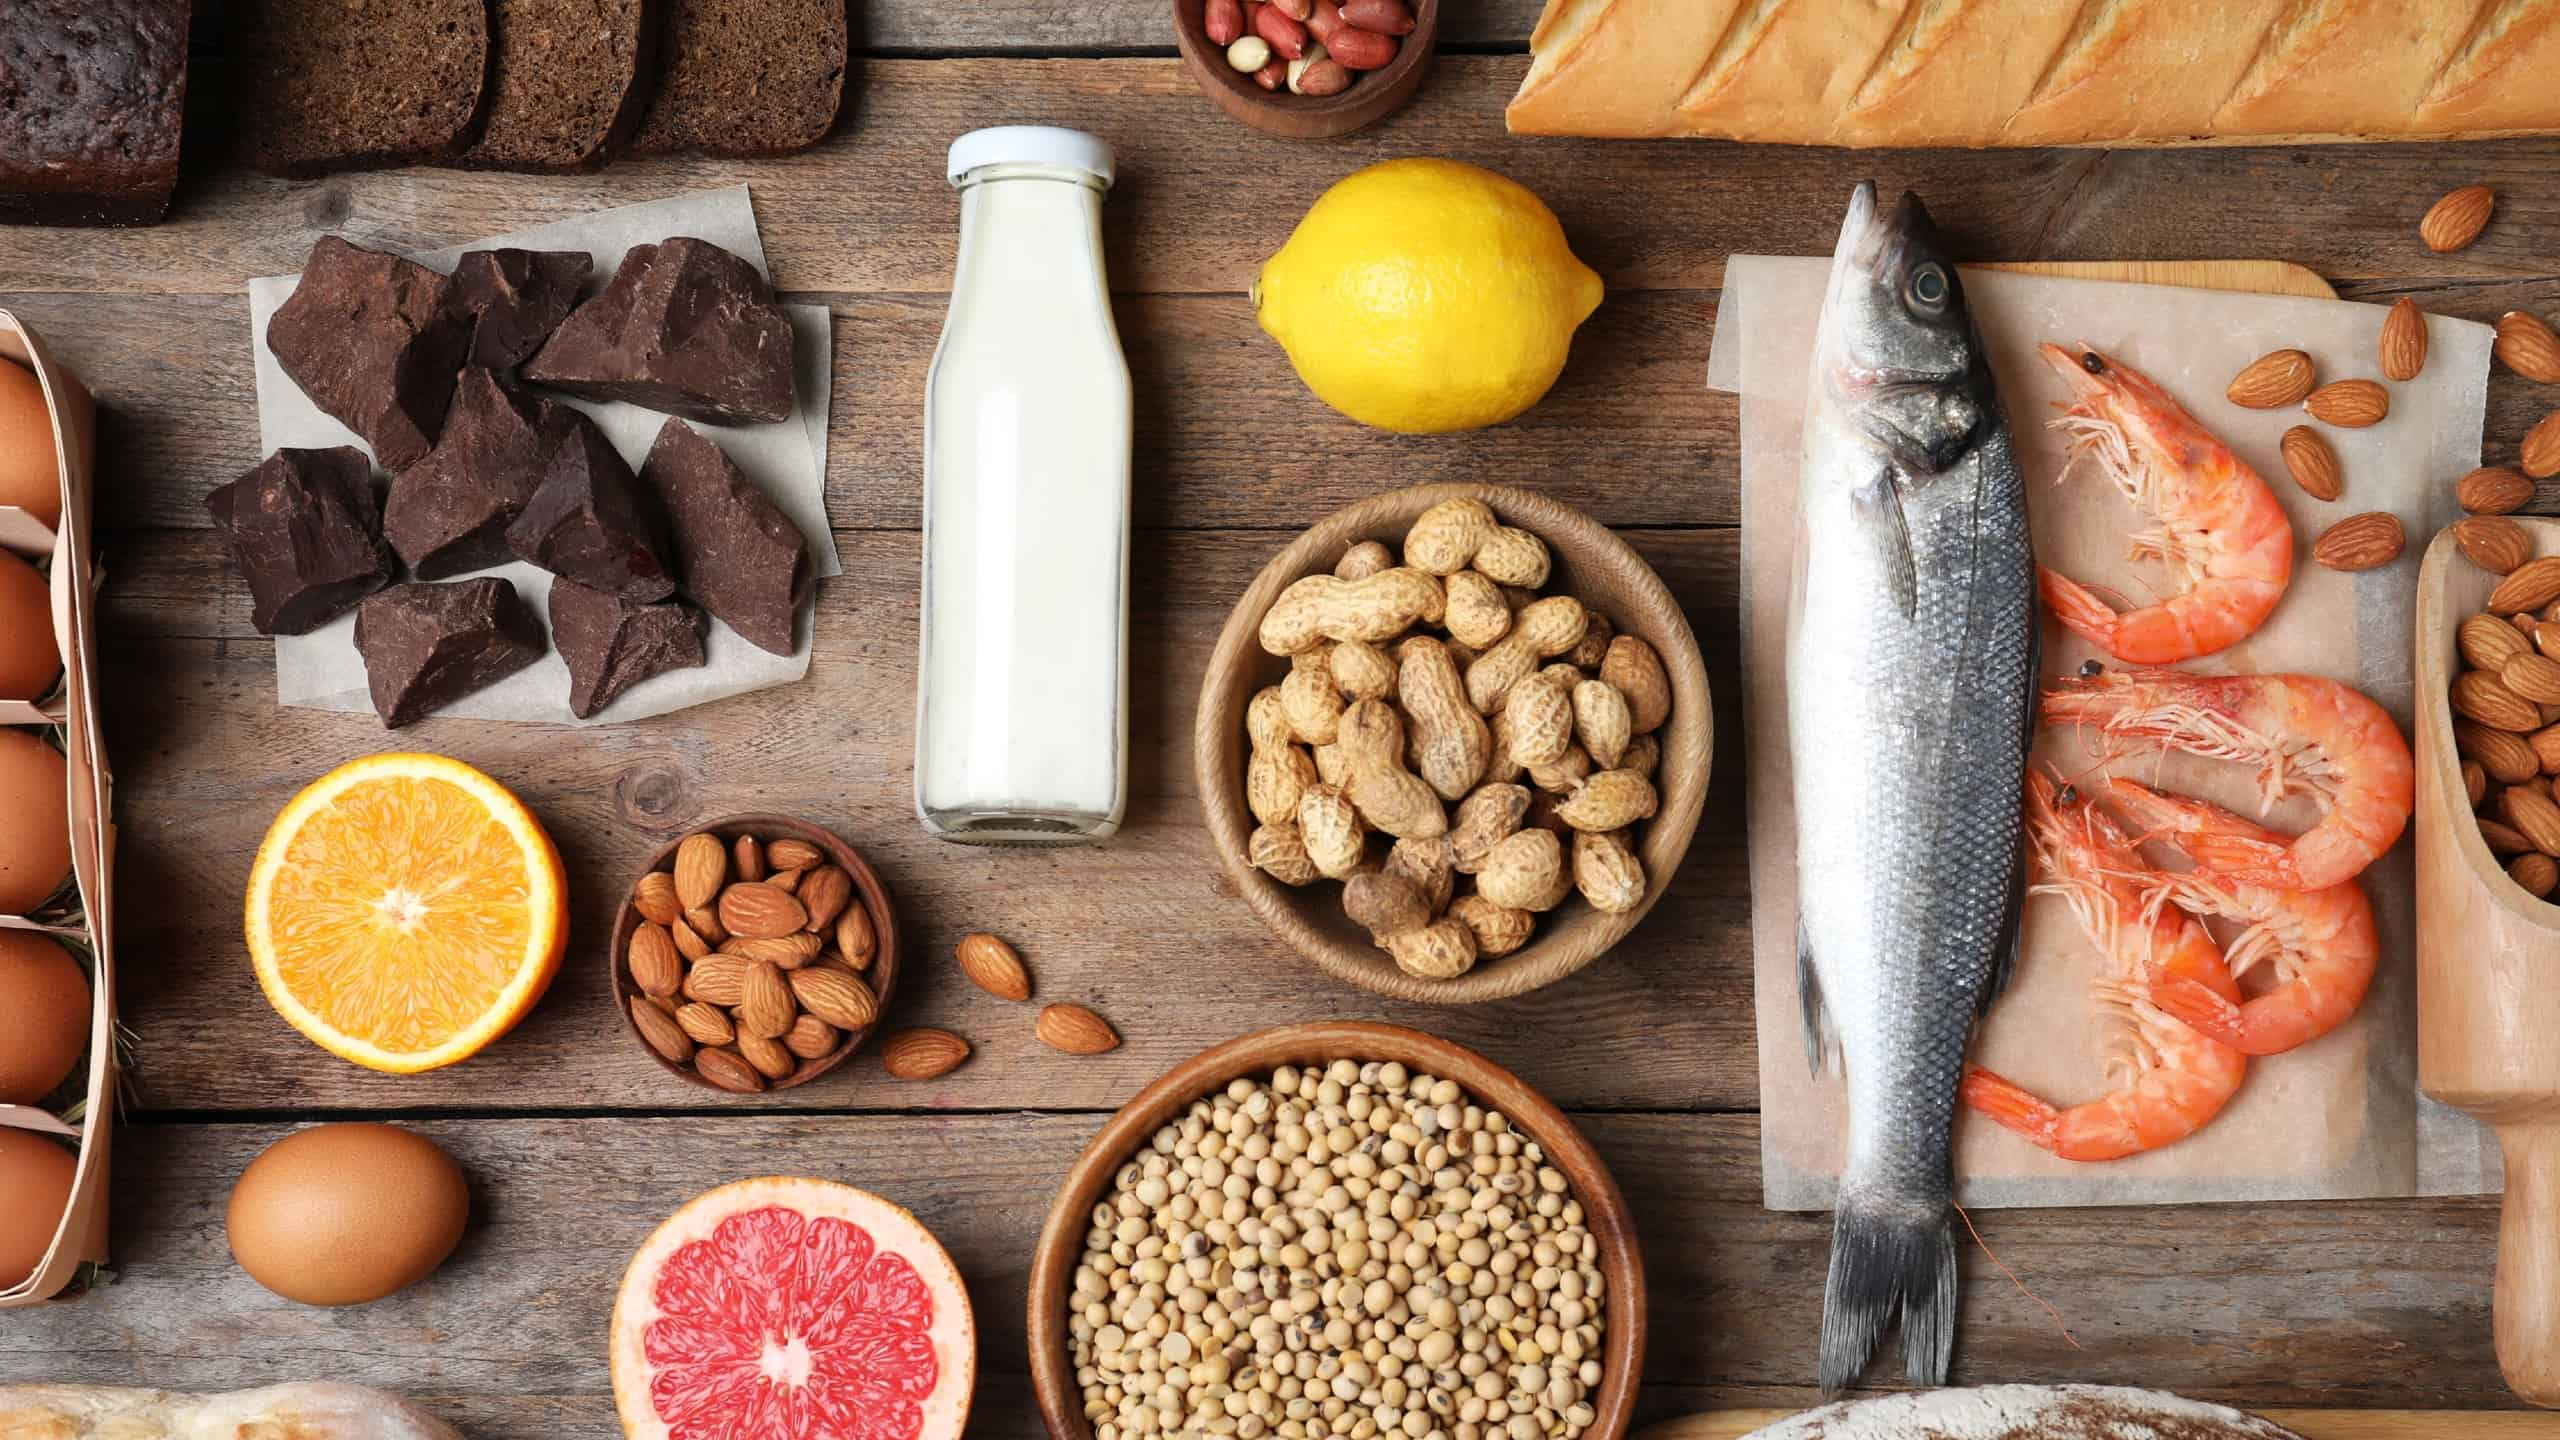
(2313, 1424)
(2260, 277)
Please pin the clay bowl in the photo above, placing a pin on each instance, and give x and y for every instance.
(1592, 565)
(868, 892)
(1053, 1267)
(1306, 117)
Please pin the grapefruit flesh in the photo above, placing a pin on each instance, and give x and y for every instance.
(792, 1310)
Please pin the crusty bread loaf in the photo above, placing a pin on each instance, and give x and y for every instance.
(2043, 72)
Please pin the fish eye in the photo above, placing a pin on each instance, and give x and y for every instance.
(1927, 288)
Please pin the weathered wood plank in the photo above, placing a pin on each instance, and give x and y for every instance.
(1036, 27)
(1167, 950)
(1202, 201)
(2367, 1304)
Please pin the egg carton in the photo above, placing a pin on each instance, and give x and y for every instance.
(84, 915)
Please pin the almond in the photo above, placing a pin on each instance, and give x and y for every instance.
(2493, 542)
(856, 940)
(811, 1038)
(786, 881)
(758, 911)
(2507, 758)
(2458, 218)
(2488, 643)
(823, 893)
(2539, 455)
(768, 1008)
(2533, 814)
(2505, 839)
(2404, 340)
(2545, 744)
(2493, 490)
(2535, 677)
(2361, 542)
(2529, 586)
(922, 1054)
(994, 966)
(792, 855)
(748, 852)
(661, 1031)
(2546, 638)
(707, 1024)
(2481, 696)
(705, 922)
(717, 980)
(728, 1070)
(2313, 465)
(770, 1057)
(702, 867)
(2349, 404)
(1075, 1030)
(688, 944)
(2279, 377)
(788, 952)
(2536, 873)
(655, 898)
(655, 966)
(2475, 781)
(835, 996)
(2528, 347)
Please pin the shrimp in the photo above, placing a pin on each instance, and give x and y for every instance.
(2220, 526)
(2305, 735)
(2170, 1079)
(2322, 942)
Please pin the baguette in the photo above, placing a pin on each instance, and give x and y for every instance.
(301, 1412)
(1975, 73)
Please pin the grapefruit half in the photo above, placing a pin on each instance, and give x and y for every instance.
(783, 1309)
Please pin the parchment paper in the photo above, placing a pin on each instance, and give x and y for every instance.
(322, 671)
(2340, 1117)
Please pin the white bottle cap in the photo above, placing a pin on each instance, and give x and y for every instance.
(1031, 145)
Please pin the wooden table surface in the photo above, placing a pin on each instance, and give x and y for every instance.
(577, 1143)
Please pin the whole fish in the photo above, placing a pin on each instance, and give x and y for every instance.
(1911, 672)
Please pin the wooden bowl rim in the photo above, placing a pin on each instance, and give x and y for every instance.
(1604, 1206)
(1584, 934)
(867, 887)
(1375, 95)
(2435, 672)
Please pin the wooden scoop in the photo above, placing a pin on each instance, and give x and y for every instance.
(2489, 985)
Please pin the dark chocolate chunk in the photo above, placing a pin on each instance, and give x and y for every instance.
(373, 340)
(742, 559)
(516, 298)
(684, 327)
(589, 521)
(612, 644)
(303, 529)
(426, 646)
(449, 513)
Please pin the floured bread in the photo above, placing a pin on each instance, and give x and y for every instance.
(278, 1412)
(2026, 1412)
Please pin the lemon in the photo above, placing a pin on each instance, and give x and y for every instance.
(1425, 296)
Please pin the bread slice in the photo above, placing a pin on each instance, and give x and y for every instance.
(747, 77)
(344, 84)
(568, 80)
(92, 97)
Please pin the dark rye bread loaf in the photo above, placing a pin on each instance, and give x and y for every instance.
(92, 96)
(747, 77)
(568, 80)
(343, 84)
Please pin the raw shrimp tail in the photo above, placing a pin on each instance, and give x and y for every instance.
(1888, 1255)
(2015, 1108)
(2077, 606)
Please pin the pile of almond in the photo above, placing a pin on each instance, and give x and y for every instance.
(2506, 704)
(1308, 47)
(1462, 752)
(749, 958)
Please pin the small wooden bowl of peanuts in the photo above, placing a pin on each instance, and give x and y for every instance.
(1468, 769)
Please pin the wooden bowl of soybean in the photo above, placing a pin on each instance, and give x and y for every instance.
(1313, 1046)
(1590, 563)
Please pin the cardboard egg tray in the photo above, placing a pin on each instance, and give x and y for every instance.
(83, 917)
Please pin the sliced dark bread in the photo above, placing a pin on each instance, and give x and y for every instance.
(92, 96)
(747, 77)
(343, 84)
(567, 81)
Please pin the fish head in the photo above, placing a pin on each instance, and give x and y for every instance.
(1895, 353)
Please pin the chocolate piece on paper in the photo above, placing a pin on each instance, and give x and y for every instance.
(449, 513)
(374, 341)
(516, 298)
(591, 522)
(612, 644)
(303, 530)
(426, 646)
(742, 559)
(683, 327)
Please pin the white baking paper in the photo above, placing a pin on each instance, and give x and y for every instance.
(2339, 1117)
(322, 670)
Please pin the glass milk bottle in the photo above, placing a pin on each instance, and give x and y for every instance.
(1022, 726)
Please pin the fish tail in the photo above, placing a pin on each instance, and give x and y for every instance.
(1889, 1255)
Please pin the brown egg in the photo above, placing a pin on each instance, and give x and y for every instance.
(346, 1214)
(35, 820)
(44, 1010)
(29, 661)
(28, 478)
(35, 1187)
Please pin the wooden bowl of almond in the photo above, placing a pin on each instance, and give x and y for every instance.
(755, 954)
(1454, 741)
